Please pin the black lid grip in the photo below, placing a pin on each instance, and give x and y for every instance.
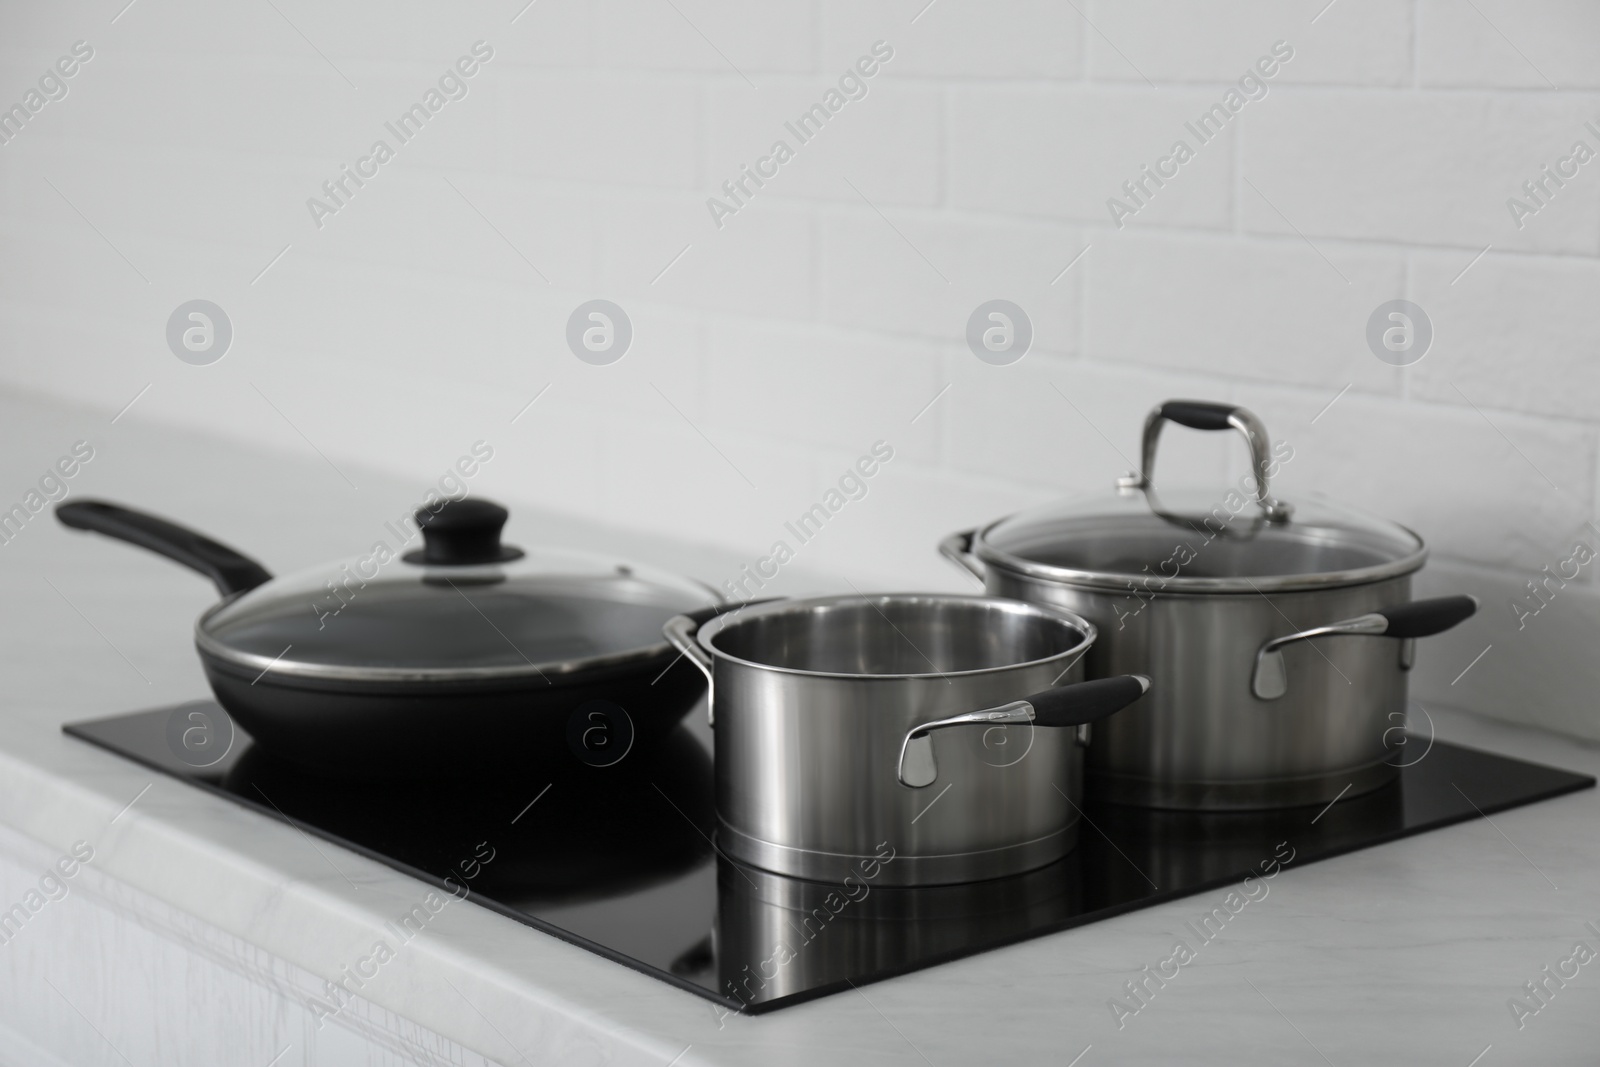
(1199, 414)
(462, 533)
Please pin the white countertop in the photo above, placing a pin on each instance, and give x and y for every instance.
(1404, 953)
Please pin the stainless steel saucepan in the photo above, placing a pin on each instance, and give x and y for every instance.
(1281, 636)
(835, 715)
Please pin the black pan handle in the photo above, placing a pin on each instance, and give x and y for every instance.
(232, 572)
(1199, 414)
(1424, 618)
(1084, 702)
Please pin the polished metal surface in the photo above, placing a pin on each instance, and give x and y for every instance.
(1255, 619)
(918, 769)
(1201, 738)
(814, 699)
(1271, 678)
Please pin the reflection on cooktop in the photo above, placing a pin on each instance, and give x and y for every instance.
(620, 859)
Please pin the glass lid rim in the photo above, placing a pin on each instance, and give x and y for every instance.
(1401, 564)
(690, 594)
(565, 670)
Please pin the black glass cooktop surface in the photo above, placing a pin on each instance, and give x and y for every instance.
(619, 859)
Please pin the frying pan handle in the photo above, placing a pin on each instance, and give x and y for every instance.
(957, 548)
(1406, 622)
(1206, 415)
(1066, 705)
(681, 632)
(232, 572)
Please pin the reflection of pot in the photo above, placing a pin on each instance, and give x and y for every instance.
(826, 712)
(468, 651)
(1168, 847)
(1280, 639)
(589, 833)
(777, 936)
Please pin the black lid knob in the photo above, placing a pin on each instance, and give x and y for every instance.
(461, 533)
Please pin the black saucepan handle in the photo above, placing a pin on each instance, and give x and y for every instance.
(1069, 705)
(1199, 414)
(1424, 618)
(231, 572)
(1083, 702)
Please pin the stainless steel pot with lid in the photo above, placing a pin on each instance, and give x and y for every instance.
(944, 729)
(1258, 618)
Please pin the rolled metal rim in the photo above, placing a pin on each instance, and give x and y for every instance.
(1279, 583)
(708, 631)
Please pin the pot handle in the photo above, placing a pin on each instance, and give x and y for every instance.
(681, 631)
(1419, 618)
(957, 548)
(1207, 415)
(1066, 705)
(232, 572)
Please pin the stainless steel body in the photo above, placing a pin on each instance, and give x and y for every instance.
(813, 701)
(1200, 738)
(1271, 631)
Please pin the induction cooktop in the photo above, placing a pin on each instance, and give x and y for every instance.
(620, 859)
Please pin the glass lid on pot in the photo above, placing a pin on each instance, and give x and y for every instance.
(463, 606)
(1235, 539)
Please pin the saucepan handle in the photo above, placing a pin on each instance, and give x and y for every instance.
(957, 548)
(681, 632)
(1418, 618)
(231, 571)
(1067, 705)
(1208, 415)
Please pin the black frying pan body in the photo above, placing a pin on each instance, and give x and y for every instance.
(373, 731)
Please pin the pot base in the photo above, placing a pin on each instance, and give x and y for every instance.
(903, 869)
(1252, 795)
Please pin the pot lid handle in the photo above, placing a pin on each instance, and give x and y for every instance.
(1207, 415)
(462, 533)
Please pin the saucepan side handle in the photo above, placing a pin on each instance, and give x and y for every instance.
(682, 631)
(1064, 706)
(957, 548)
(1419, 618)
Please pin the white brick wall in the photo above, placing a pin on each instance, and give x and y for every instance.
(830, 311)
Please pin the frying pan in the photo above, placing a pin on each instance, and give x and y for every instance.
(465, 653)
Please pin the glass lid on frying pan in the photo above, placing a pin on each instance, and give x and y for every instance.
(1233, 539)
(463, 606)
